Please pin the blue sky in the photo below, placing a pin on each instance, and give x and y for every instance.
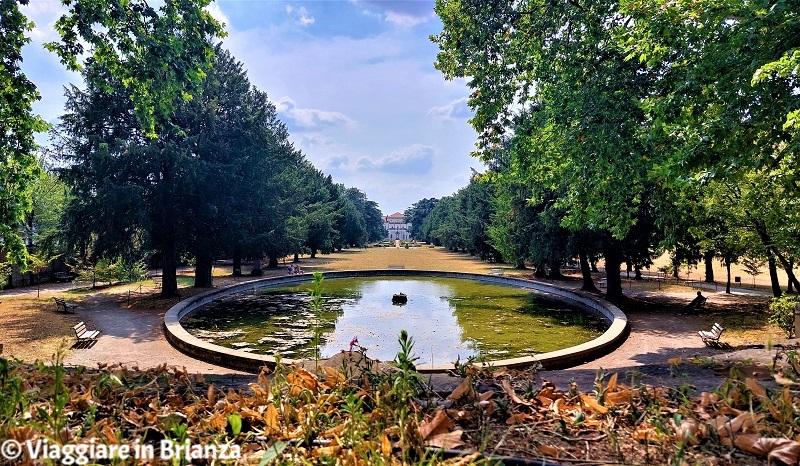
(352, 79)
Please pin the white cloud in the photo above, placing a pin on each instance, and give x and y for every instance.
(403, 20)
(300, 15)
(455, 110)
(311, 117)
(402, 14)
(214, 10)
(416, 159)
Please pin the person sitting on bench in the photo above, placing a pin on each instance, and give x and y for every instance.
(697, 303)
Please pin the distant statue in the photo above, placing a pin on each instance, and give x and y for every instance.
(399, 298)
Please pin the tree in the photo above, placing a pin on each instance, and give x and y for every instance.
(19, 168)
(415, 215)
(550, 78)
(159, 55)
(144, 61)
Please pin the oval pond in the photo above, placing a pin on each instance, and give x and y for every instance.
(448, 319)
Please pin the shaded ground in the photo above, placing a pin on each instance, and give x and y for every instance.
(129, 317)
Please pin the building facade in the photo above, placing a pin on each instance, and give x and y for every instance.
(397, 226)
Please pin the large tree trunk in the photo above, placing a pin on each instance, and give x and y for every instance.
(313, 253)
(273, 261)
(540, 272)
(257, 272)
(790, 273)
(637, 273)
(586, 273)
(773, 276)
(708, 258)
(237, 262)
(203, 268)
(728, 283)
(613, 269)
(296, 258)
(519, 264)
(788, 266)
(169, 278)
(555, 272)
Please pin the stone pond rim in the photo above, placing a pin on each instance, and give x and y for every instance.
(616, 333)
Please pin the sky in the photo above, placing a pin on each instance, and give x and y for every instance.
(353, 80)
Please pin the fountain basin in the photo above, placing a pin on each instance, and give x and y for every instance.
(243, 360)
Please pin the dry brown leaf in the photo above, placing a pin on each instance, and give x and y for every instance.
(741, 423)
(747, 442)
(510, 392)
(756, 388)
(518, 418)
(782, 449)
(271, 419)
(446, 440)
(620, 397)
(548, 450)
(326, 452)
(549, 392)
(591, 404)
(646, 433)
(708, 399)
(440, 423)
(375, 415)
(386, 445)
(465, 391)
(335, 431)
(301, 378)
(211, 395)
(334, 379)
(690, 431)
(486, 395)
(612, 382)
(109, 434)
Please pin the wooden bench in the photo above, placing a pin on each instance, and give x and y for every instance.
(712, 335)
(157, 280)
(61, 277)
(83, 334)
(63, 306)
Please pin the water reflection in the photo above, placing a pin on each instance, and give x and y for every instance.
(448, 319)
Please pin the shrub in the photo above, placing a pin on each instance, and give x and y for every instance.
(782, 313)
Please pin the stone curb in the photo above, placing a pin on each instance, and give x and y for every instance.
(616, 333)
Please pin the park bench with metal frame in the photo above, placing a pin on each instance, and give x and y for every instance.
(83, 334)
(63, 306)
(713, 335)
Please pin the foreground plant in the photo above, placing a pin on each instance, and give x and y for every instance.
(367, 414)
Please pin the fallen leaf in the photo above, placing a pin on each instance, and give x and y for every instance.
(440, 423)
(740, 423)
(756, 388)
(510, 392)
(386, 445)
(518, 418)
(591, 404)
(690, 431)
(446, 440)
(548, 450)
(464, 391)
(271, 419)
(782, 449)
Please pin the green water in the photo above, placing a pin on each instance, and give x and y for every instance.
(448, 319)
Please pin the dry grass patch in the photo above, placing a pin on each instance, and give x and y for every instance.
(32, 329)
(417, 258)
